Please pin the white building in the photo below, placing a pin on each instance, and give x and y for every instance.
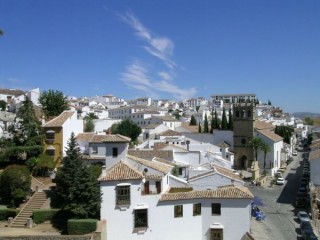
(139, 202)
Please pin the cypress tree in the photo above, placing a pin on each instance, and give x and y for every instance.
(206, 125)
(76, 188)
(199, 128)
(212, 122)
(216, 122)
(224, 123)
(230, 122)
(193, 121)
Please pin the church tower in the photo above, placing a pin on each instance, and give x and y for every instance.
(243, 128)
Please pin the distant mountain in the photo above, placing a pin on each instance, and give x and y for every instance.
(302, 115)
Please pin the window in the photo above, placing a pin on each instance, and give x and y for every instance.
(114, 152)
(243, 141)
(158, 186)
(140, 218)
(94, 150)
(147, 187)
(123, 195)
(180, 171)
(216, 209)
(50, 151)
(196, 209)
(216, 234)
(178, 211)
(50, 135)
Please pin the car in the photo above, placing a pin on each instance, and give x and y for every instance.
(279, 174)
(304, 225)
(295, 153)
(308, 234)
(280, 181)
(303, 216)
(300, 202)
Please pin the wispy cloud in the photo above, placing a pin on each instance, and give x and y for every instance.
(165, 76)
(160, 47)
(137, 76)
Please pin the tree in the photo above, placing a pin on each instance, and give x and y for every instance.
(3, 105)
(197, 108)
(176, 114)
(224, 122)
(53, 102)
(211, 122)
(193, 121)
(88, 122)
(1, 32)
(308, 121)
(127, 128)
(40, 165)
(199, 128)
(265, 148)
(269, 102)
(205, 124)
(216, 121)
(255, 143)
(76, 188)
(230, 122)
(15, 183)
(27, 130)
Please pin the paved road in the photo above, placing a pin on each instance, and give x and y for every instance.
(281, 222)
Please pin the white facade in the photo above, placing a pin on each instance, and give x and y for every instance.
(137, 205)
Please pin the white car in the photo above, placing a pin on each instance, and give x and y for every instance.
(280, 181)
(295, 153)
(303, 216)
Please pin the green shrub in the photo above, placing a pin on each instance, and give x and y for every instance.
(5, 213)
(81, 226)
(42, 215)
(15, 183)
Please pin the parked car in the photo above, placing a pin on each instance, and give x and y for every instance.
(294, 153)
(308, 234)
(303, 216)
(280, 181)
(300, 202)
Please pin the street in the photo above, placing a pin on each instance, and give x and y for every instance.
(281, 222)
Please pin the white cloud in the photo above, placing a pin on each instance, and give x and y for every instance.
(136, 76)
(160, 47)
(164, 75)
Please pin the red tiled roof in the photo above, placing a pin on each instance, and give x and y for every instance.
(121, 171)
(226, 192)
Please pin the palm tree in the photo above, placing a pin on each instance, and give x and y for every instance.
(265, 148)
(255, 143)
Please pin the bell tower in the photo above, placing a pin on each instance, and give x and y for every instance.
(243, 125)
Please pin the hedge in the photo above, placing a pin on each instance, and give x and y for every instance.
(81, 226)
(5, 213)
(42, 215)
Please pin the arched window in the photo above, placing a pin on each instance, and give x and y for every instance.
(237, 113)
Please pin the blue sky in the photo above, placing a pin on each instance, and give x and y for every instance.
(168, 49)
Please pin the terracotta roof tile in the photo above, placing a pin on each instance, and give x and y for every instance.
(109, 138)
(150, 154)
(226, 192)
(84, 136)
(121, 171)
(262, 125)
(170, 133)
(227, 172)
(60, 120)
(271, 135)
(13, 92)
(161, 167)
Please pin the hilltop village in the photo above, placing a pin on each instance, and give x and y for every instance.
(190, 167)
